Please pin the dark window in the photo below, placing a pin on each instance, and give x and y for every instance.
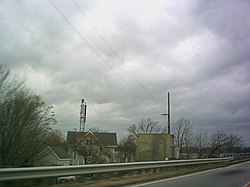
(88, 153)
(88, 141)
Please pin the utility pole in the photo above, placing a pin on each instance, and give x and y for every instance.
(168, 114)
(168, 125)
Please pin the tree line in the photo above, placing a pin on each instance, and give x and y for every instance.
(199, 145)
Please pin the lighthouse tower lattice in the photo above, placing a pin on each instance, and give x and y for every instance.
(83, 116)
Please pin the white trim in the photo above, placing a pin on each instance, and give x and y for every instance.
(40, 152)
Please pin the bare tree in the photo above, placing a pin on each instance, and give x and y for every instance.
(220, 140)
(24, 122)
(201, 144)
(8, 85)
(145, 126)
(92, 152)
(97, 130)
(182, 130)
(127, 148)
(56, 138)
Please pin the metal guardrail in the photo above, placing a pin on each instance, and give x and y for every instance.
(7, 174)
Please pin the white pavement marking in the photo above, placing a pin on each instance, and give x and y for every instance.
(182, 176)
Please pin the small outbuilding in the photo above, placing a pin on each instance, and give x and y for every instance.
(155, 146)
(52, 156)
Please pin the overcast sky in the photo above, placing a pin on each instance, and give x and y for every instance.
(123, 56)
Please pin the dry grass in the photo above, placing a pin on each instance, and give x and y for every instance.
(142, 177)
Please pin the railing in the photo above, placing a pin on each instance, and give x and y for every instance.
(7, 174)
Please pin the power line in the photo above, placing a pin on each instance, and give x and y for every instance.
(92, 47)
(99, 55)
(112, 50)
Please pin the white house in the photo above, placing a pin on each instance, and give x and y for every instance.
(91, 147)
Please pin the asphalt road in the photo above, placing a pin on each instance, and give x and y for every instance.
(237, 175)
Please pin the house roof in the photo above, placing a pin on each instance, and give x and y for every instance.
(60, 152)
(107, 139)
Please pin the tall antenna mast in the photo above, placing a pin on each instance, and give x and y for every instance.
(168, 114)
(83, 116)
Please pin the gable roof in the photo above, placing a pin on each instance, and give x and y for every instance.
(107, 139)
(60, 152)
